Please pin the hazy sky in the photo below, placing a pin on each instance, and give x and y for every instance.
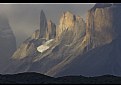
(24, 18)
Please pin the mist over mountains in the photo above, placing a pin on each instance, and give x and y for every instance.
(74, 46)
(7, 41)
(24, 18)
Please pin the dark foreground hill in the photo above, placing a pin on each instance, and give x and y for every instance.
(36, 78)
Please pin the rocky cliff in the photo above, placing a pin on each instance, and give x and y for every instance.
(103, 24)
(72, 47)
(7, 40)
(29, 47)
(103, 44)
(71, 28)
(43, 24)
(51, 30)
(59, 45)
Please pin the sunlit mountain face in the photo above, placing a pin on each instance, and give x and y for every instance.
(24, 18)
(61, 39)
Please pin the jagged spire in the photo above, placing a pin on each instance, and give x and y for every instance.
(51, 30)
(43, 24)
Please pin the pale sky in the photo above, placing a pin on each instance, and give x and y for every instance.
(24, 18)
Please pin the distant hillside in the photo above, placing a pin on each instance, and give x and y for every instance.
(36, 78)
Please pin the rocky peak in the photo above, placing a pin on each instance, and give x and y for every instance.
(47, 29)
(46, 32)
(5, 29)
(71, 27)
(7, 40)
(51, 30)
(103, 24)
(67, 20)
(36, 35)
(43, 24)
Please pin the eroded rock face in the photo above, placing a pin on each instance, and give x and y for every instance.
(103, 35)
(36, 35)
(43, 24)
(59, 46)
(70, 34)
(25, 50)
(71, 28)
(46, 32)
(102, 24)
(72, 40)
(51, 30)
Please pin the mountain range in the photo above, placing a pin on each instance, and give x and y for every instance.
(74, 47)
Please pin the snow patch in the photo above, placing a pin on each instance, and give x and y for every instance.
(48, 42)
(42, 48)
(45, 46)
